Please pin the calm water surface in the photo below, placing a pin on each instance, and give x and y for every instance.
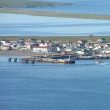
(12, 24)
(80, 6)
(16, 24)
(83, 86)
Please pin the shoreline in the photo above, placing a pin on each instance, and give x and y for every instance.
(55, 38)
(54, 14)
(29, 54)
(19, 53)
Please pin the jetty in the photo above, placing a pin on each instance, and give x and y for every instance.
(44, 59)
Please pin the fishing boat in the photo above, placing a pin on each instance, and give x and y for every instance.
(66, 61)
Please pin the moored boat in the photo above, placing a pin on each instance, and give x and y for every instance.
(67, 61)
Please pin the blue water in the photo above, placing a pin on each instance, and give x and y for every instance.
(101, 7)
(16, 24)
(22, 25)
(83, 86)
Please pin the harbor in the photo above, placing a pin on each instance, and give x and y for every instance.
(33, 60)
(58, 59)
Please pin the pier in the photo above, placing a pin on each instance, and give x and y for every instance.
(21, 60)
(33, 60)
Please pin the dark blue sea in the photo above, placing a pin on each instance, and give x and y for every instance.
(83, 86)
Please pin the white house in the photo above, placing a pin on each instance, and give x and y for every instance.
(80, 52)
(68, 50)
(4, 47)
(5, 43)
(42, 49)
(106, 51)
(28, 45)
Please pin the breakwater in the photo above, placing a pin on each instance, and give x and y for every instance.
(41, 59)
(65, 59)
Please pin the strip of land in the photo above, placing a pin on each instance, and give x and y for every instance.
(24, 7)
(56, 38)
(54, 14)
(29, 3)
(20, 53)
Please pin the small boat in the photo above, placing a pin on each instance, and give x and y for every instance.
(67, 61)
(99, 62)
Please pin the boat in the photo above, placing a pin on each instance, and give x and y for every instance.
(66, 61)
(99, 62)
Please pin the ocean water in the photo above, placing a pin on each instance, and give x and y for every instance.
(101, 7)
(83, 86)
(16, 24)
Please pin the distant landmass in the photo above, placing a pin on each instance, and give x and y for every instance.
(28, 3)
(46, 8)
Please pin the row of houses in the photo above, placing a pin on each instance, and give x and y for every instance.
(31, 45)
(81, 47)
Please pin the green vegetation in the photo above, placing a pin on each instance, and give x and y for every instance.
(56, 38)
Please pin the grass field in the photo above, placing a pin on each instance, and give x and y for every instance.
(55, 38)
